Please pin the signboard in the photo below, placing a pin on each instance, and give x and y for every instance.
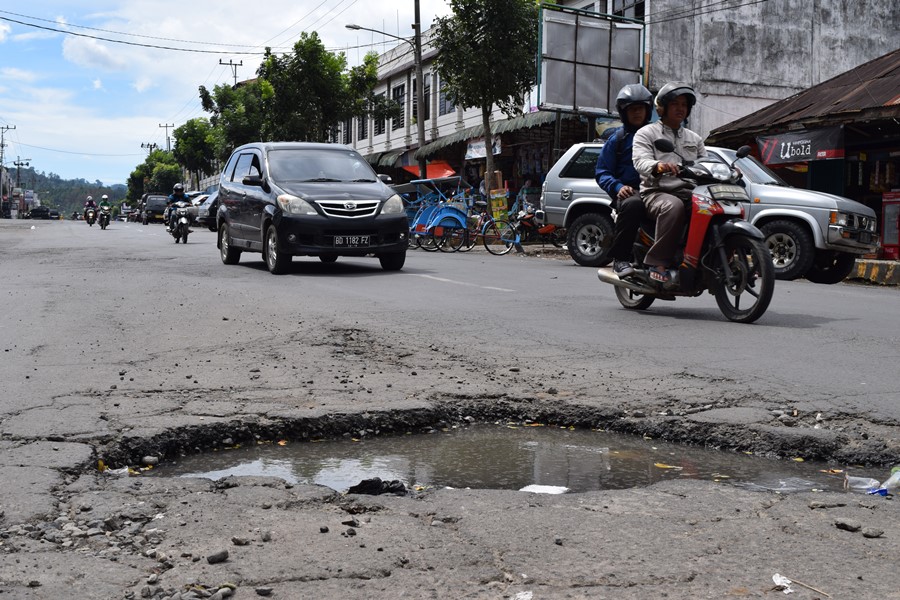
(586, 58)
(801, 146)
(476, 148)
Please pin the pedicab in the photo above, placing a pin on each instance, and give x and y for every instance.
(437, 210)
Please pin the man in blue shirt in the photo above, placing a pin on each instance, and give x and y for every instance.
(617, 176)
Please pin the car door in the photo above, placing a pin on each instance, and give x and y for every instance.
(233, 195)
(255, 198)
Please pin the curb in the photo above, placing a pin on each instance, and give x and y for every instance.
(881, 272)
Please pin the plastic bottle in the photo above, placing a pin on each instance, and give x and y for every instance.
(891, 485)
(863, 484)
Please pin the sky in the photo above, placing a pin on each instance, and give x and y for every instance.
(85, 105)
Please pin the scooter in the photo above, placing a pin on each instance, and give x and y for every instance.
(90, 215)
(180, 221)
(722, 254)
(104, 217)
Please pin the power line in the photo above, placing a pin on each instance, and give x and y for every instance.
(72, 152)
(691, 12)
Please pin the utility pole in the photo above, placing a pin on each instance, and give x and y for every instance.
(233, 66)
(150, 146)
(19, 164)
(168, 145)
(3, 131)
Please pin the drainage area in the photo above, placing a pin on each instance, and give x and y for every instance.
(510, 457)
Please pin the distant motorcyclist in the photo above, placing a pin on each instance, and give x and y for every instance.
(104, 201)
(89, 203)
(177, 195)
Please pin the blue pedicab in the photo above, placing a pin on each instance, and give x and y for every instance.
(437, 210)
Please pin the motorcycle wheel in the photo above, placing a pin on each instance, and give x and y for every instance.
(184, 238)
(558, 237)
(746, 296)
(633, 300)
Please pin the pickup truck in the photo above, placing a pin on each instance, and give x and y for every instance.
(809, 234)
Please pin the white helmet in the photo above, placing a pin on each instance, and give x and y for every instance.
(90, 198)
(104, 197)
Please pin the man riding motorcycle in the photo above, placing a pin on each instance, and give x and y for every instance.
(104, 201)
(89, 203)
(176, 196)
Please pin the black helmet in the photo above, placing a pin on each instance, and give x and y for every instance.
(672, 90)
(633, 93)
(178, 188)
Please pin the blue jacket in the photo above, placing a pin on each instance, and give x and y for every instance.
(614, 166)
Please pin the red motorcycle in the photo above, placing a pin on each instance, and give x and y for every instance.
(722, 254)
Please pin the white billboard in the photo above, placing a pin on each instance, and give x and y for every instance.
(585, 60)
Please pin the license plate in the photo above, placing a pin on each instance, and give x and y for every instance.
(351, 241)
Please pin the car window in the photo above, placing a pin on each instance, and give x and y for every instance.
(314, 164)
(245, 166)
(228, 172)
(584, 165)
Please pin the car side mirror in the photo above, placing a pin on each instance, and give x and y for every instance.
(384, 178)
(254, 180)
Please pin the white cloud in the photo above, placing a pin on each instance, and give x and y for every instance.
(98, 84)
(18, 75)
(91, 53)
(4, 32)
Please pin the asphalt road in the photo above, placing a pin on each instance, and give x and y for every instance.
(121, 344)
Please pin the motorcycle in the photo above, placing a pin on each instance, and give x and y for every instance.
(104, 217)
(179, 221)
(530, 226)
(90, 215)
(722, 253)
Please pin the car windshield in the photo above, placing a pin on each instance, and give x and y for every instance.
(317, 165)
(754, 170)
(156, 201)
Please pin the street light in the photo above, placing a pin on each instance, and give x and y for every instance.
(420, 85)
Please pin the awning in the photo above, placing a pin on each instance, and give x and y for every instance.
(389, 159)
(373, 158)
(526, 121)
(433, 170)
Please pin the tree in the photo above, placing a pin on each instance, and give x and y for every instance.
(308, 91)
(158, 173)
(237, 114)
(488, 56)
(194, 149)
(361, 82)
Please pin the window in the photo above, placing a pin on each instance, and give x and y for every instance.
(583, 166)
(362, 127)
(399, 96)
(379, 123)
(444, 104)
(426, 99)
(633, 9)
(345, 131)
(247, 165)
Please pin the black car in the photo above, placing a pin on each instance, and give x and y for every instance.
(153, 208)
(288, 199)
(54, 214)
(39, 212)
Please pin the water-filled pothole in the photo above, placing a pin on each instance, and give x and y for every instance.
(509, 457)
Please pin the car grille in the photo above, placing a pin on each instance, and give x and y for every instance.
(860, 222)
(349, 209)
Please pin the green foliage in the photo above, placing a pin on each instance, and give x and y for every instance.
(65, 195)
(308, 91)
(193, 147)
(237, 114)
(361, 82)
(158, 173)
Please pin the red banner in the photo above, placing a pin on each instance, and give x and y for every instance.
(801, 146)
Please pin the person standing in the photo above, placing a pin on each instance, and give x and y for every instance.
(615, 173)
(657, 169)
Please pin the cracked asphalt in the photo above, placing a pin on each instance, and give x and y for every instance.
(123, 348)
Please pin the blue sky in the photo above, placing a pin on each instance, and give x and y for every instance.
(83, 104)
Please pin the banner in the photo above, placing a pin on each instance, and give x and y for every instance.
(476, 149)
(800, 146)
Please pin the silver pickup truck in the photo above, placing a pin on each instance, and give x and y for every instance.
(810, 234)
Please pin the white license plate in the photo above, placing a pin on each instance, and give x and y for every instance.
(351, 241)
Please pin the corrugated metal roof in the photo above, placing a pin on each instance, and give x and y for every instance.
(867, 91)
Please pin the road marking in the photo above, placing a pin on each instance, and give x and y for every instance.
(484, 287)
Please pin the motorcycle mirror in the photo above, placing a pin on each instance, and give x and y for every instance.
(743, 151)
(664, 145)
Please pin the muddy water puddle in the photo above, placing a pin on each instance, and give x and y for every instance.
(509, 457)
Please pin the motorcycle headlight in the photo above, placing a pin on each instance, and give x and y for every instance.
(393, 206)
(293, 205)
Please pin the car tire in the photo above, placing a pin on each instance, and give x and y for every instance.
(230, 255)
(831, 267)
(590, 238)
(791, 247)
(392, 262)
(277, 262)
(328, 258)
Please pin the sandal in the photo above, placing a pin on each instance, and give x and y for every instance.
(658, 274)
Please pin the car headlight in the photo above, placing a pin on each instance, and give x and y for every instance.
(839, 218)
(293, 205)
(393, 206)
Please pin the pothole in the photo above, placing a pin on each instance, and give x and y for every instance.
(510, 456)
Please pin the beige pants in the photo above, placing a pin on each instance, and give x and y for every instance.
(670, 214)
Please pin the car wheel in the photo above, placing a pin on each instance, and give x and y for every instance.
(392, 262)
(831, 267)
(328, 258)
(590, 238)
(230, 255)
(791, 247)
(277, 262)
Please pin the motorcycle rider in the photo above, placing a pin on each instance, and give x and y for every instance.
(104, 201)
(615, 173)
(89, 203)
(673, 104)
(177, 195)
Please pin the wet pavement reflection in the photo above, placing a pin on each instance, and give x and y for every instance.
(508, 456)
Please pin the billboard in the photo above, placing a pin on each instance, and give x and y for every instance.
(799, 146)
(585, 59)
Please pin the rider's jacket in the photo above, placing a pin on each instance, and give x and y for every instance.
(688, 145)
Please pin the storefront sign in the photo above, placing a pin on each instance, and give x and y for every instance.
(475, 148)
(818, 144)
